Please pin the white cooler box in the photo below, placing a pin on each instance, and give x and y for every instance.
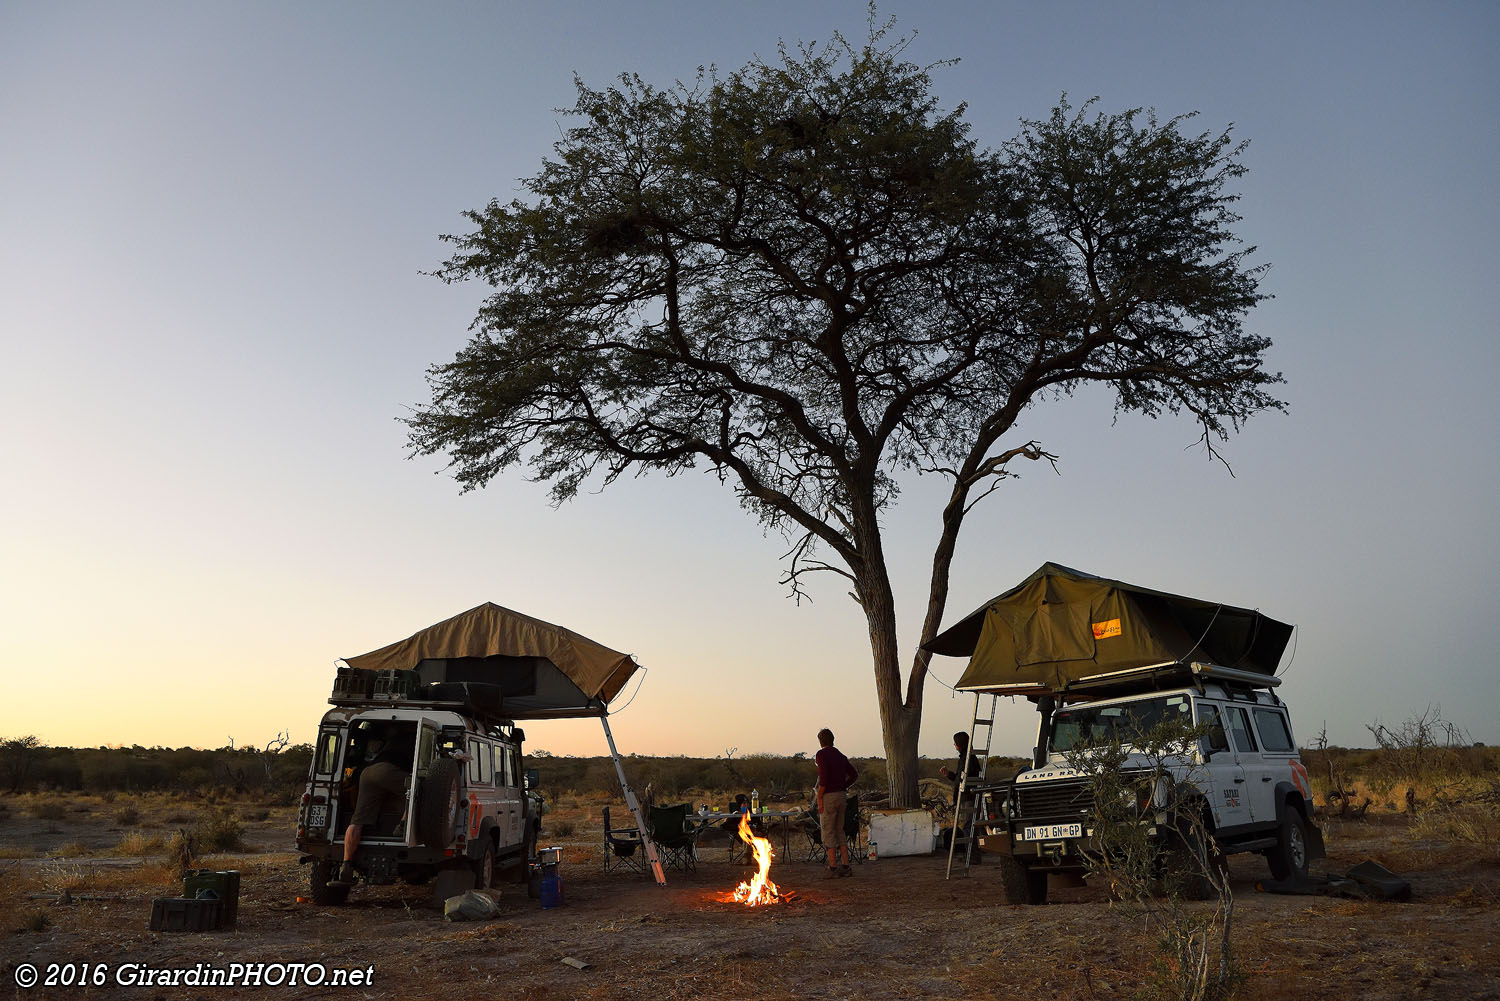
(902, 832)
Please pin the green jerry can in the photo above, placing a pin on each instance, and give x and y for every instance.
(221, 886)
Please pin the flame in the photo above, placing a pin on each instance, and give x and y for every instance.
(760, 889)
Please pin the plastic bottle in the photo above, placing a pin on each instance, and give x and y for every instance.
(754, 800)
(872, 851)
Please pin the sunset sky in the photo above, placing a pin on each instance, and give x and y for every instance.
(214, 220)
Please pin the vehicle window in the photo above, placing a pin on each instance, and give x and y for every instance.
(513, 762)
(486, 762)
(328, 752)
(1073, 728)
(1274, 735)
(503, 774)
(474, 749)
(1208, 715)
(1239, 726)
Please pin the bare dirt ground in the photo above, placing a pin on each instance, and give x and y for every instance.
(897, 929)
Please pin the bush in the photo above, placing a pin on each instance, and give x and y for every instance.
(128, 815)
(36, 921)
(49, 809)
(563, 828)
(218, 831)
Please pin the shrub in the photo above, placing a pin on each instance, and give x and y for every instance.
(180, 853)
(136, 844)
(128, 815)
(218, 831)
(563, 828)
(36, 921)
(49, 809)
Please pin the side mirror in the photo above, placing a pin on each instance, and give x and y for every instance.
(533, 778)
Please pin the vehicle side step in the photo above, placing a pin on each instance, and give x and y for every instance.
(1258, 845)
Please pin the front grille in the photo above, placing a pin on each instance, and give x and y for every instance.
(1053, 799)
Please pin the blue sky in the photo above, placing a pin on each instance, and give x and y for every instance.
(213, 223)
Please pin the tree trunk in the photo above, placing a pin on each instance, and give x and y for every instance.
(900, 718)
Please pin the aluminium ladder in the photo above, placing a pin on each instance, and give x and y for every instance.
(635, 806)
(966, 803)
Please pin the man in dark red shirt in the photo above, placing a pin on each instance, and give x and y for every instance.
(835, 775)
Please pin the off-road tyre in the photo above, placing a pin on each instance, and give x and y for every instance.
(1020, 884)
(518, 869)
(1288, 860)
(484, 867)
(1185, 866)
(437, 805)
(324, 895)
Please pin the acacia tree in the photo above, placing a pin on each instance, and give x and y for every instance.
(808, 277)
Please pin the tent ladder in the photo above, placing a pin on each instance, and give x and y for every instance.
(966, 805)
(635, 806)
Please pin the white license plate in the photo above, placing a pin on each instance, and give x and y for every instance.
(317, 815)
(1047, 832)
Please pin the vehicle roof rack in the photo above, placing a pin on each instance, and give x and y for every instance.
(1151, 677)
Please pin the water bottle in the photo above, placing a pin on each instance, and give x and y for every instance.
(872, 851)
(754, 800)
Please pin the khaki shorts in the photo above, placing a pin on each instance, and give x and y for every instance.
(831, 819)
(382, 786)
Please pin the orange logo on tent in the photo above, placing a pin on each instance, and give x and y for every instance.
(1104, 630)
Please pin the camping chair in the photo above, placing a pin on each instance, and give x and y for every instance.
(852, 829)
(812, 829)
(623, 848)
(673, 837)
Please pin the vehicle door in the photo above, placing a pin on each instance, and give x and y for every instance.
(1226, 776)
(318, 816)
(508, 785)
(1279, 752)
(421, 763)
(1258, 791)
(482, 798)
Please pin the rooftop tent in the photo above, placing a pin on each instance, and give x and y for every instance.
(1059, 625)
(544, 671)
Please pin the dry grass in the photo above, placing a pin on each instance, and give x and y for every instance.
(138, 843)
(128, 815)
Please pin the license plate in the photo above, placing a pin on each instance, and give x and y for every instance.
(1047, 832)
(317, 815)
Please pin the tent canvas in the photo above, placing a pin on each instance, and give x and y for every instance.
(1060, 625)
(544, 670)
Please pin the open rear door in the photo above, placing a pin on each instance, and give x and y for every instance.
(425, 747)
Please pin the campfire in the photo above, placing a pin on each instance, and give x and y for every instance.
(760, 889)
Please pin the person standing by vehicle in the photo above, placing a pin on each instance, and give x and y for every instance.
(382, 786)
(835, 776)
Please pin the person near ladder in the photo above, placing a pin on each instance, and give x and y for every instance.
(955, 775)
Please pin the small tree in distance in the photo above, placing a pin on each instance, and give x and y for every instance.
(807, 277)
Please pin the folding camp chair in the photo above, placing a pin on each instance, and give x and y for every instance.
(852, 829)
(674, 838)
(811, 828)
(623, 848)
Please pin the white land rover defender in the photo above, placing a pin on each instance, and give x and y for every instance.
(466, 812)
(1244, 781)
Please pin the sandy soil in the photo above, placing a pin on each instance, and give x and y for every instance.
(897, 929)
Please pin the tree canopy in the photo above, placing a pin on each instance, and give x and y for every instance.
(808, 276)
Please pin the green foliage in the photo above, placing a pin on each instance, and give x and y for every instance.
(808, 276)
(1133, 777)
(218, 831)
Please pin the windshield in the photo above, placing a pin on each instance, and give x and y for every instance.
(1072, 728)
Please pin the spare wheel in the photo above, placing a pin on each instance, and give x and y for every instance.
(437, 805)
